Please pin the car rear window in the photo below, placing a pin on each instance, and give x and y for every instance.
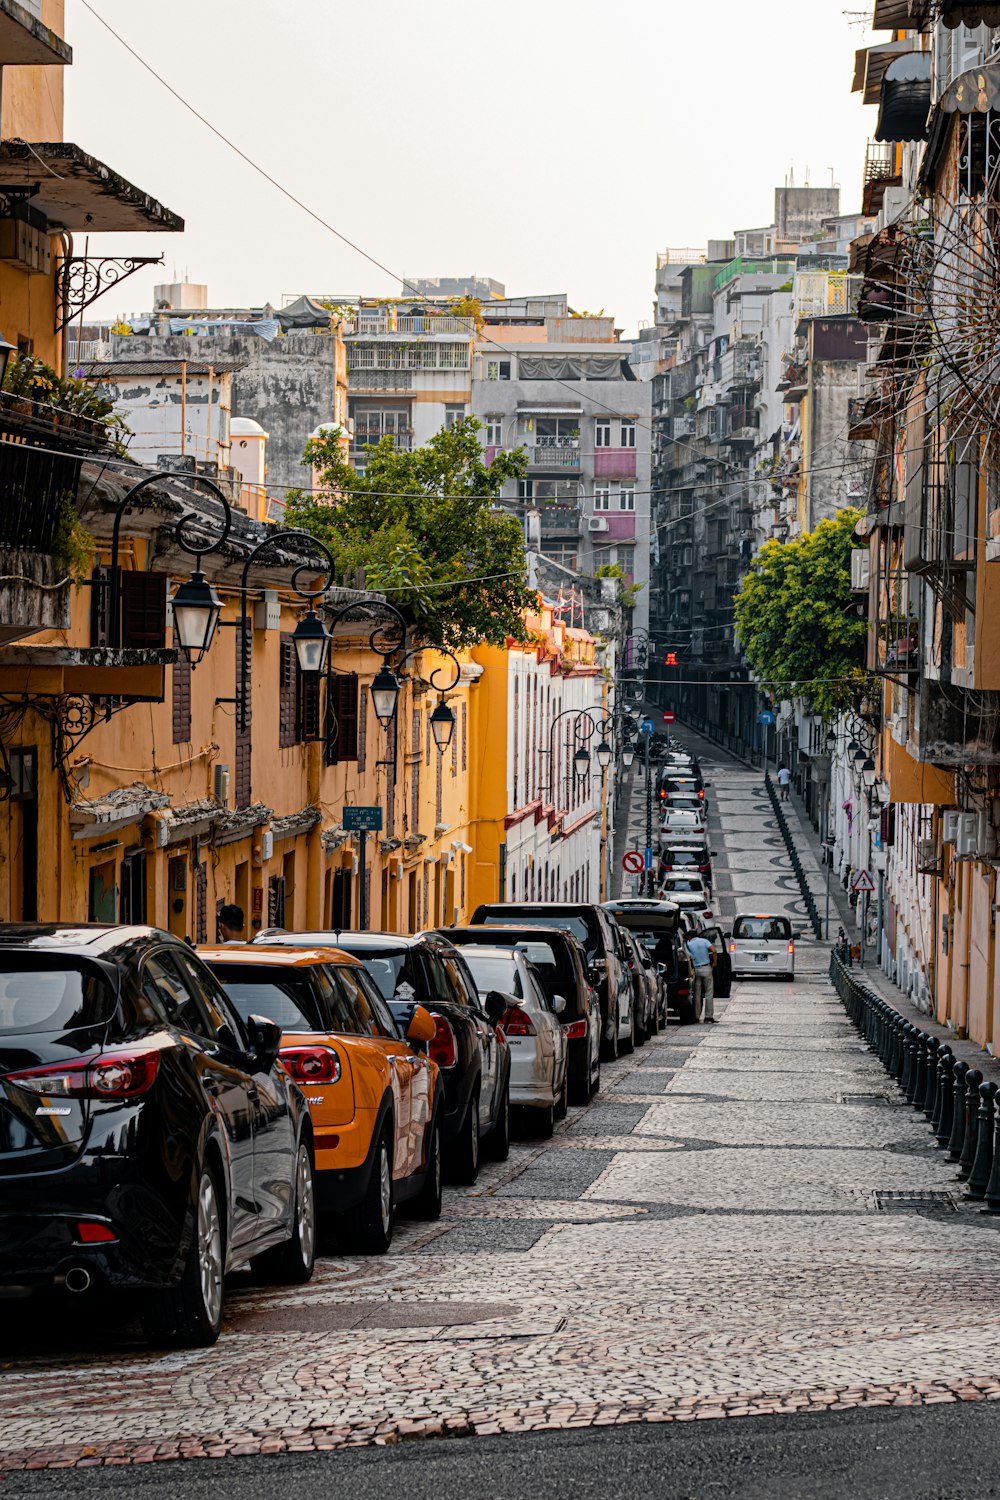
(684, 857)
(287, 998)
(491, 971)
(390, 968)
(581, 927)
(762, 928)
(52, 997)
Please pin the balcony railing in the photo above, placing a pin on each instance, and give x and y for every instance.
(544, 457)
(410, 323)
(41, 451)
(560, 518)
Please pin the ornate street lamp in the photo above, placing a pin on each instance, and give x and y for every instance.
(442, 726)
(197, 608)
(581, 761)
(604, 754)
(831, 740)
(869, 774)
(311, 640)
(628, 756)
(385, 692)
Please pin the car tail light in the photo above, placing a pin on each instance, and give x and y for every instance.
(442, 1049)
(575, 1029)
(701, 794)
(791, 947)
(311, 1064)
(732, 947)
(683, 989)
(95, 1234)
(105, 1075)
(516, 1022)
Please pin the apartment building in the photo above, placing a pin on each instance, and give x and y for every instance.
(561, 387)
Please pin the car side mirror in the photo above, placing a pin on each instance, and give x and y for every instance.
(661, 968)
(421, 1027)
(265, 1042)
(558, 1004)
(495, 1006)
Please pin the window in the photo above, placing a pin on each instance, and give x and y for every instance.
(288, 697)
(498, 369)
(144, 610)
(626, 496)
(602, 432)
(602, 497)
(557, 432)
(342, 719)
(626, 560)
(453, 414)
(628, 432)
(226, 1026)
(370, 1022)
(172, 998)
(494, 432)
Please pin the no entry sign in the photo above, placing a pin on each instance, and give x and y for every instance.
(669, 716)
(633, 862)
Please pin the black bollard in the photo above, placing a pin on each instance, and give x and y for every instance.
(993, 1186)
(918, 1076)
(906, 1058)
(945, 1103)
(930, 1077)
(957, 1136)
(972, 1081)
(982, 1162)
(898, 1029)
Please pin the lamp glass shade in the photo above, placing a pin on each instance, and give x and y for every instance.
(603, 753)
(884, 793)
(197, 608)
(869, 773)
(385, 691)
(442, 726)
(628, 756)
(860, 757)
(581, 762)
(311, 640)
(831, 739)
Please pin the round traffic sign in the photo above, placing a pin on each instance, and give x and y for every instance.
(766, 716)
(632, 862)
(669, 716)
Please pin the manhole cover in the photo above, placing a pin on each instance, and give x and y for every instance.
(863, 1099)
(332, 1317)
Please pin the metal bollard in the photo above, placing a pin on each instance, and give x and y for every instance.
(945, 1101)
(898, 1028)
(982, 1162)
(993, 1186)
(957, 1135)
(915, 1093)
(906, 1064)
(930, 1077)
(972, 1081)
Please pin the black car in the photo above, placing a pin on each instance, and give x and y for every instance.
(589, 924)
(562, 970)
(149, 1139)
(656, 926)
(469, 1047)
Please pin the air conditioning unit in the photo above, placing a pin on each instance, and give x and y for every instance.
(949, 827)
(967, 839)
(597, 523)
(927, 860)
(986, 837)
(860, 566)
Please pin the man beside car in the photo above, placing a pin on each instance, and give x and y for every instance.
(232, 924)
(702, 955)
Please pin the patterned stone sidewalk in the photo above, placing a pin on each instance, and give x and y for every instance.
(746, 1220)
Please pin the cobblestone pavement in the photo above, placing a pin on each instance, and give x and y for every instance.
(747, 1219)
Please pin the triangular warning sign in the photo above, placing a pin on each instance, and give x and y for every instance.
(862, 882)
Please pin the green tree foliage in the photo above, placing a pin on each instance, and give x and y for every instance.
(418, 523)
(793, 613)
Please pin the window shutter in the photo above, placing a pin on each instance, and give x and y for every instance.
(415, 781)
(342, 720)
(180, 698)
(287, 694)
(454, 752)
(362, 730)
(465, 737)
(439, 791)
(201, 903)
(244, 740)
(144, 611)
(99, 595)
(308, 707)
(390, 781)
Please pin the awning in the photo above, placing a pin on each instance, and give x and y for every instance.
(965, 13)
(125, 805)
(870, 65)
(25, 42)
(304, 313)
(77, 192)
(973, 93)
(905, 100)
(892, 15)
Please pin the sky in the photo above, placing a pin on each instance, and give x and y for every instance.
(554, 145)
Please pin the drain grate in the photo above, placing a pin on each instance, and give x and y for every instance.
(863, 1099)
(889, 1202)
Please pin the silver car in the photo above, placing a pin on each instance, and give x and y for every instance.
(538, 1046)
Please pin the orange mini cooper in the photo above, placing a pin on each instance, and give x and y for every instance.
(373, 1094)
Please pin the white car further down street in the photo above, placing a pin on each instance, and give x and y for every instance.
(762, 945)
(538, 1045)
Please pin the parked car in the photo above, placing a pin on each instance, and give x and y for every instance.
(683, 824)
(762, 945)
(683, 884)
(150, 1139)
(561, 965)
(654, 925)
(722, 974)
(645, 988)
(686, 856)
(698, 906)
(538, 1047)
(373, 1096)
(676, 780)
(679, 802)
(474, 1059)
(591, 927)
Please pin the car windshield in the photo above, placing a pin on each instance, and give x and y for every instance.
(762, 929)
(656, 939)
(493, 971)
(286, 998)
(56, 997)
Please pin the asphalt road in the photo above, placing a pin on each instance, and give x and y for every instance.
(929, 1453)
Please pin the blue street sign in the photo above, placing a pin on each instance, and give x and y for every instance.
(647, 726)
(648, 859)
(766, 717)
(362, 819)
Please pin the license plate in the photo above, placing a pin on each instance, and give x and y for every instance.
(761, 958)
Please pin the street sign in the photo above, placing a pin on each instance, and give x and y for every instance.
(632, 862)
(647, 862)
(766, 716)
(362, 819)
(647, 726)
(862, 882)
(668, 716)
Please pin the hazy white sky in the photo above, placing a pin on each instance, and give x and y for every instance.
(552, 144)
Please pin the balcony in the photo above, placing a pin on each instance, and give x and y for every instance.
(614, 463)
(560, 520)
(880, 174)
(545, 456)
(26, 42)
(739, 367)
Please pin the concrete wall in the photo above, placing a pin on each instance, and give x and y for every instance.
(832, 383)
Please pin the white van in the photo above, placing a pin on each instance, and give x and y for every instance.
(761, 945)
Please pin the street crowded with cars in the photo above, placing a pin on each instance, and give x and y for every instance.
(370, 1188)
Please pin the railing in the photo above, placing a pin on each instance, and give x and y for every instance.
(560, 518)
(381, 380)
(410, 323)
(402, 438)
(87, 352)
(40, 456)
(543, 457)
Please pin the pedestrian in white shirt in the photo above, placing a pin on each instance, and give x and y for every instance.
(784, 777)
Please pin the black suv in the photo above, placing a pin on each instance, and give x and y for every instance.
(591, 927)
(469, 1047)
(149, 1138)
(562, 970)
(656, 926)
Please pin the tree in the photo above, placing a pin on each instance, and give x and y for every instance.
(421, 522)
(794, 617)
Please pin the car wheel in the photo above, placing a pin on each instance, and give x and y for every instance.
(562, 1103)
(463, 1154)
(609, 1046)
(627, 1044)
(497, 1143)
(427, 1203)
(189, 1315)
(368, 1228)
(292, 1263)
(580, 1090)
(542, 1121)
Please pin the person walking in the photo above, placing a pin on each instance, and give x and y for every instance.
(784, 777)
(702, 955)
(232, 924)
